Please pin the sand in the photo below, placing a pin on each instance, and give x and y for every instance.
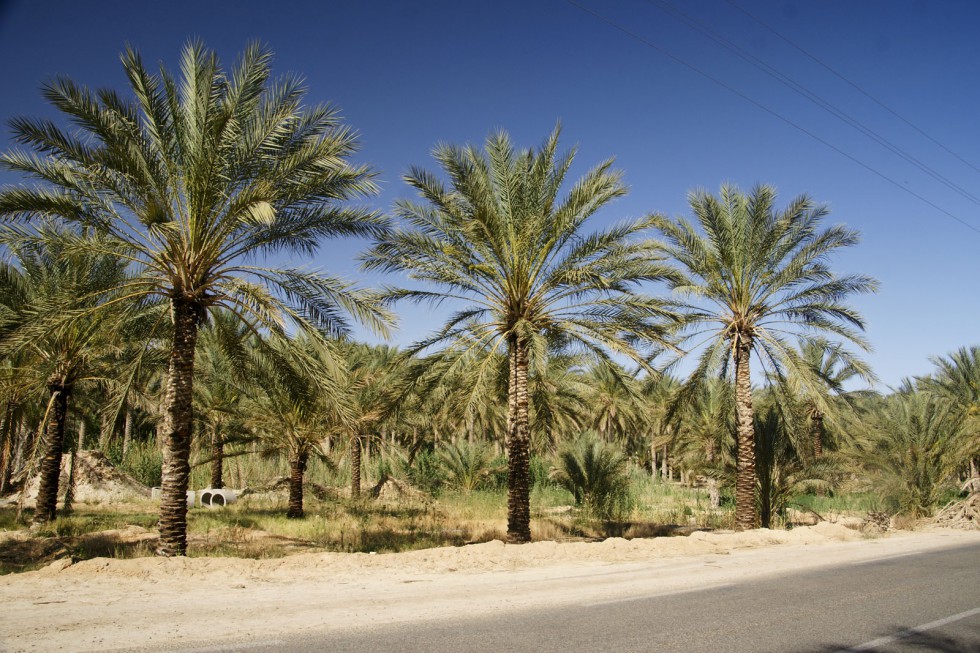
(105, 604)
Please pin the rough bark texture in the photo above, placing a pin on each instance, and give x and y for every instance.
(714, 496)
(816, 432)
(974, 476)
(746, 514)
(7, 448)
(69, 501)
(82, 440)
(51, 447)
(355, 468)
(217, 459)
(127, 432)
(297, 468)
(178, 419)
(518, 445)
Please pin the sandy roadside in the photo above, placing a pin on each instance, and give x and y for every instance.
(104, 604)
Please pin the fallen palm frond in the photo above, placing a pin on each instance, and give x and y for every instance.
(964, 514)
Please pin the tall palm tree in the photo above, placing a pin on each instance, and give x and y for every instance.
(519, 260)
(753, 278)
(193, 181)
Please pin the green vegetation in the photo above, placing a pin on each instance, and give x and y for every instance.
(136, 318)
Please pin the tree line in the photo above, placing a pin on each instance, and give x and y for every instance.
(138, 285)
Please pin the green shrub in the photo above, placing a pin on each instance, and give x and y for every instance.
(144, 462)
(466, 466)
(597, 475)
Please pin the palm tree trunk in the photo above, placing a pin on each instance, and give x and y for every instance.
(81, 434)
(127, 433)
(297, 467)
(217, 459)
(51, 446)
(816, 433)
(746, 516)
(974, 476)
(69, 500)
(176, 431)
(7, 447)
(355, 468)
(518, 445)
(714, 496)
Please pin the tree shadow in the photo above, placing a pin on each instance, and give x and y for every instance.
(916, 641)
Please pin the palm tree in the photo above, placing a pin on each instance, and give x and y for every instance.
(831, 366)
(756, 277)
(300, 394)
(193, 181)
(373, 389)
(704, 435)
(913, 451)
(51, 303)
(501, 243)
(222, 370)
(958, 379)
(614, 403)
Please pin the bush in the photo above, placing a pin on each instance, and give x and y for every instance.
(597, 475)
(467, 466)
(914, 453)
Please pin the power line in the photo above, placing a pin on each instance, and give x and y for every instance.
(830, 108)
(650, 44)
(852, 84)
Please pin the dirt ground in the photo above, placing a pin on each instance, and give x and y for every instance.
(105, 604)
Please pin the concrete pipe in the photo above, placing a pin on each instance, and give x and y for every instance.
(222, 497)
(157, 493)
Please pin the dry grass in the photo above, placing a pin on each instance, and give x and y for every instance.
(256, 526)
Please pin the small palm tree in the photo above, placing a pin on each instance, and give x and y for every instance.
(192, 181)
(466, 466)
(912, 451)
(957, 378)
(597, 475)
(500, 241)
(831, 366)
(754, 277)
(300, 394)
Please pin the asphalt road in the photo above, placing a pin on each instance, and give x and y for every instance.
(912, 602)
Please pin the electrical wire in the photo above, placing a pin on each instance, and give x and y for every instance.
(790, 83)
(852, 84)
(667, 53)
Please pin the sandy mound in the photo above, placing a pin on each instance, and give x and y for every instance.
(96, 481)
(391, 489)
(488, 556)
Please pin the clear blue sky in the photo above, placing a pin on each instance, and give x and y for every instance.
(410, 74)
